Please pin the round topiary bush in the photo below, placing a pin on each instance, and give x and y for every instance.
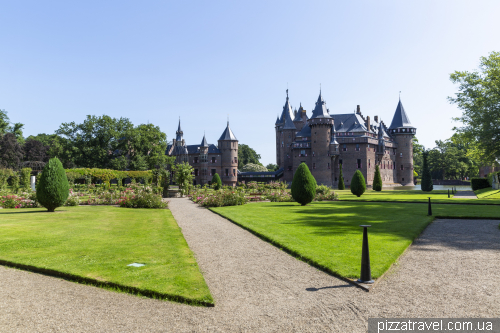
(53, 187)
(303, 185)
(358, 184)
(341, 179)
(377, 180)
(216, 182)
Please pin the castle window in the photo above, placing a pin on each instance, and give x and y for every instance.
(359, 163)
(302, 153)
(214, 160)
(213, 172)
(196, 172)
(400, 154)
(289, 168)
(314, 165)
(227, 172)
(357, 146)
(328, 165)
(195, 160)
(369, 164)
(203, 158)
(340, 162)
(313, 153)
(234, 172)
(236, 160)
(344, 147)
(402, 168)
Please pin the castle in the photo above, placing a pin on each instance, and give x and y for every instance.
(325, 141)
(208, 159)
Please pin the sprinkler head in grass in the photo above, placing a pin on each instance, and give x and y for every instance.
(366, 274)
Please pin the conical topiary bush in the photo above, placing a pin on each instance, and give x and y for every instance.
(53, 188)
(216, 182)
(341, 179)
(358, 184)
(303, 185)
(426, 183)
(377, 180)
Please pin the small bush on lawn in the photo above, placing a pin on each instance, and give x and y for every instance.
(358, 184)
(143, 199)
(278, 196)
(216, 182)
(303, 185)
(53, 188)
(479, 183)
(377, 180)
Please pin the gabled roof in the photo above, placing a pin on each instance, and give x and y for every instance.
(204, 142)
(228, 134)
(192, 149)
(400, 118)
(320, 110)
(348, 122)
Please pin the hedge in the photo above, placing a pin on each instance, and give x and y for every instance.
(479, 183)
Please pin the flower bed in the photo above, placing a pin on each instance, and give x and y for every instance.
(219, 198)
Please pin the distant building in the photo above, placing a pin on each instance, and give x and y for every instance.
(324, 141)
(208, 159)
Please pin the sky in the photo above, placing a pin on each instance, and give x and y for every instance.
(207, 61)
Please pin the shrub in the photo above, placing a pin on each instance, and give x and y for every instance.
(358, 184)
(53, 188)
(219, 198)
(278, 196)
(143, 199)
(14, 182)
(251, 167)
(330, 196)
(10, 201)
(341, 179)
(426, 182)
(4, 176)
(25, 179)
(322, 189)
(303, 185)
(479, 183)
(216, 182)
(377, 180)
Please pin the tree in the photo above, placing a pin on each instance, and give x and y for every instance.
(303, 185)
(34, 150)
(183, 176)
(418, 150)
(139, 163)
(5, 127)
(150, 142)
(11, 153)
(4, 122)
(59, 147)
(341, 179)
(272, 167)
(358, 184)
(377, 180)
(426, 183)
(247, 155)
(119, 163)
(216, 182)
(53, 187)
(479, 100)
(254, 167)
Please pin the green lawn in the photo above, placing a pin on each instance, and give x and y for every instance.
(327, 234)
(98, 242)
(488, 194)
(413, 196)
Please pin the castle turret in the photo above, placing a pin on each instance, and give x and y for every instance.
(403, 133)
(228, 146)
(321, 124)
(204, 174)
(285, 135)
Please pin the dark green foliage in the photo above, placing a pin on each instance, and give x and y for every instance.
(377, 180)
(303, 185)
(216, 182)
(479, 183)
(53, 187)
(24, 178)
(358, 184)
(426, 183)
(11, 153)
(341, 179)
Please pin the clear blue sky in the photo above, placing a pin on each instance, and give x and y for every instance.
(204, 60)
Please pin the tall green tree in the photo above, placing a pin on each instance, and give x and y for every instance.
(247, 155)
(53, 188)
(478, 97)
(377, 180)
(426, 183)
(11, 152)
(149, 143)
(272, 167)
(183, 174)
(341, 179)
(58, 147)
(418, 150)
(34, 150)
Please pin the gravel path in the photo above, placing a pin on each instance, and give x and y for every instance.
(465, 195)
(450, 271)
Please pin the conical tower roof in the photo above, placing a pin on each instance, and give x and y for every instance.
(287, 115)
(320, 110)
(179, 132)
(228, 134)
(204, 142)
(400, 118)
(333, 141)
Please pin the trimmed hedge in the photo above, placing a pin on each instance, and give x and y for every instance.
(53, 188)
(358, 184)
(303, 185)
(341, 179)
(377, 180)
(479, 183)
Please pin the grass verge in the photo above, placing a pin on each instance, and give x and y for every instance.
(327, 234)
(94, 245)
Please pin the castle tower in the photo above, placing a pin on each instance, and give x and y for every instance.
(321, 124)
(334, 157)
(300, 118)
(180, 150)
(285, 135)
(204, 178)
(228, 146)
(403, 133)
(179, 136)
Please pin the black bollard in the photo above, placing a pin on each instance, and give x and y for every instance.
(429, 209)
(448, 193)
(366, 272)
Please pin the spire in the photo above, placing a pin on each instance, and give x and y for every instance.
(400, 119)
(228, 134)
(277, 120)
(204, 142)
(334, 137)
(320, 110)
(287, 115)
(179, 132)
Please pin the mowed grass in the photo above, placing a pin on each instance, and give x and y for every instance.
(98, 242)
(488, 194)
(327, 234)
(415, 196)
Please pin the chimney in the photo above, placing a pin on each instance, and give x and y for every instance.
(368, 123)
(358, 110)
(376, 119)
